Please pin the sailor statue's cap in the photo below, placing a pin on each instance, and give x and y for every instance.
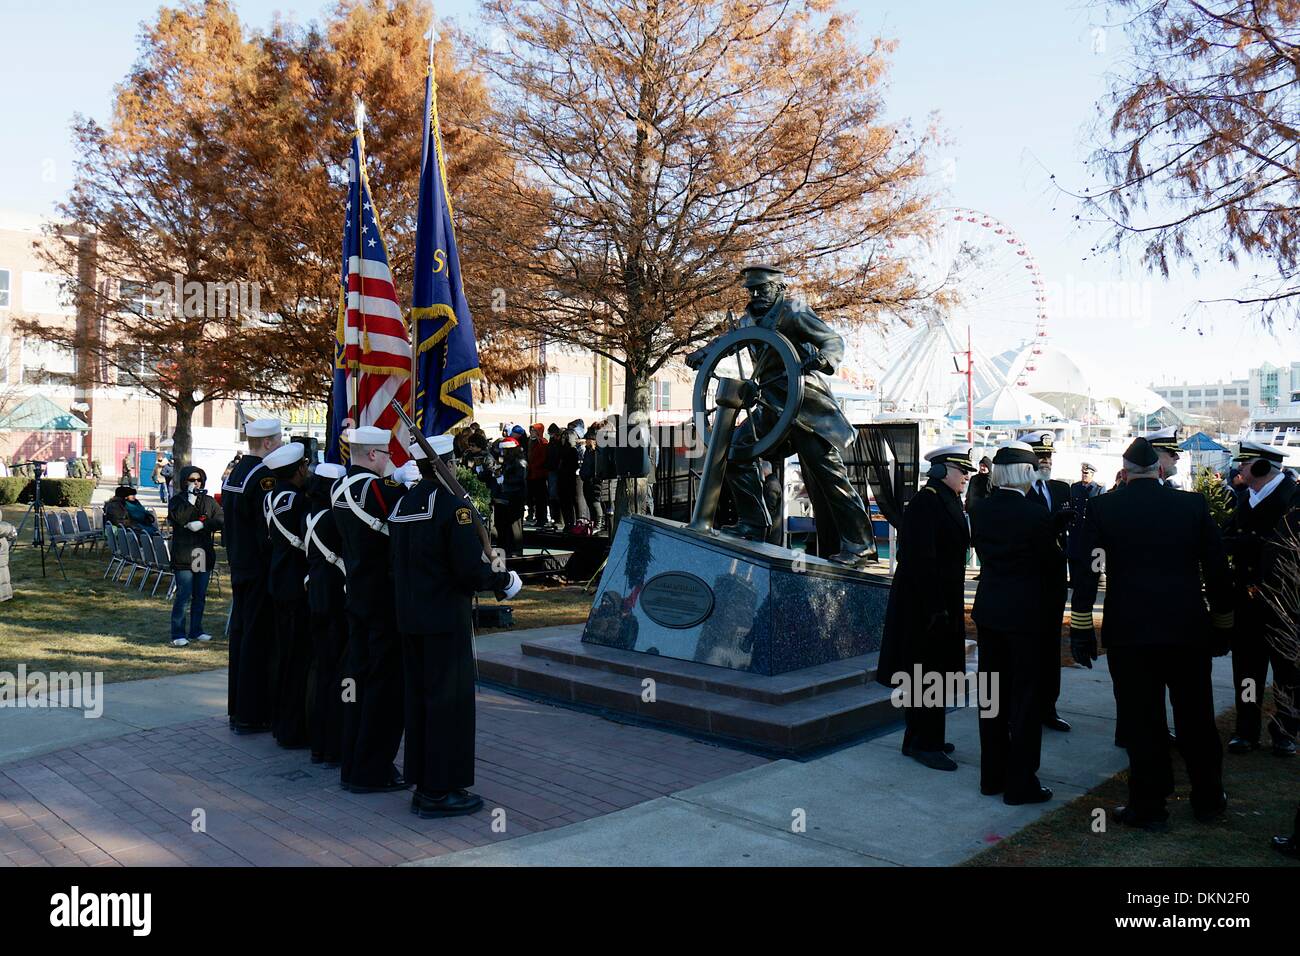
(1015, 453)
(958, 455)
(1141, 453)
(262, 428)
(369, 435)
(761, 272)
(1252, 450)
(287, 454)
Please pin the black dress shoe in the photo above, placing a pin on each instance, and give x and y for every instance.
(934, 759)
(244, 729)
(452, 804)
(1121, 744)
(1056, 723)
(317, 758)
(1211, 813)
(1287, 846)
(1240, 745)
(991, 791)
(1284, 748)
(1130, 818)
(1015, 800)
(907, 748)
(395, 782)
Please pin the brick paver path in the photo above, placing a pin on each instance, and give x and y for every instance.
(130, 800)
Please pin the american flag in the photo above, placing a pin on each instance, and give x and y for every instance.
(376, 346)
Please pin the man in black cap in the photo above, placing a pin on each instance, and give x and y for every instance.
(1256, 537)
(1054, 495)
(820, 433)
(438, 567)
(978, 489)
(1081, 493)
(925, 622)
(1020, 567)
(1158, 546)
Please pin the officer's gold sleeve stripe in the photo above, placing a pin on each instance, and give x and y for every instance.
(1223, 619)
(1080, 619)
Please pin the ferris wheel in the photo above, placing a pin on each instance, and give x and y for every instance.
(998, 303)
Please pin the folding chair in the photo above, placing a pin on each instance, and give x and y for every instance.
(114, 555)
(163, 553)
(88, 532)
(136, 554)
(55, 540)
(149, 558)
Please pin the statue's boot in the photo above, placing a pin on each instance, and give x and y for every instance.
(747, 531)
(854, 556)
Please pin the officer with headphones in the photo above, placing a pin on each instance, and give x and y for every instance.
(925, 622)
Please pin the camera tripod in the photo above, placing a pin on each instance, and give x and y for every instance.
(36, 511)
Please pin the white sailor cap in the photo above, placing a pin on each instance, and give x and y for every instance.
(958, 455)
(262, 428)
(329, 469)
(1253, 449)
(368, 435)
(441, 444)
(288, 454)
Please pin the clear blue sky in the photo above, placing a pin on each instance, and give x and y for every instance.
(1014, 84)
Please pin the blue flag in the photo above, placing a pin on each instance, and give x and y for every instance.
(447, 353)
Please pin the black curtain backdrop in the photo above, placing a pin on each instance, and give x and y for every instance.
(886, 456)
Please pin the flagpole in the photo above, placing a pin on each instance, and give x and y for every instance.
(359, 120)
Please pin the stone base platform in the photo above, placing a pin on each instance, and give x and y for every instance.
(788, 714)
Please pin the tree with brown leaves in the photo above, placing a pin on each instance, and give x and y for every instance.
(668, 142)
(1203, 160)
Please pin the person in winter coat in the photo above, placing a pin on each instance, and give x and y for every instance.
(194, 516)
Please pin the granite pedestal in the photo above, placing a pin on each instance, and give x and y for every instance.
(743, 642)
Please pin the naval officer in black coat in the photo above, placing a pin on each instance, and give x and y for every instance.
(1158, 544)
(438, 567)
(925, 623)
(1258, 535)
(1054, 495)
(1021, 566)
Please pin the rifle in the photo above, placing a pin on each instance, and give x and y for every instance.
(447, 478)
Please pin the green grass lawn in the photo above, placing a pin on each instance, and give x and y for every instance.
(1262, 793)
(87, 623)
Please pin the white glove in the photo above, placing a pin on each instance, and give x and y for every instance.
(195, 526)
(514, 586)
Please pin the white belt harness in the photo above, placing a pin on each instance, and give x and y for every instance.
(375, 524)
(268, 510)
(312, 539)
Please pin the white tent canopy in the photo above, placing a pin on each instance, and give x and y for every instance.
(1007, 405)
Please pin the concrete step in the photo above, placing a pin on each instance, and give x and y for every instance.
(791, 728)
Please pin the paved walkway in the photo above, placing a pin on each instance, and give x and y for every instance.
(574, 789)
(865, 805)
(125, 788)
